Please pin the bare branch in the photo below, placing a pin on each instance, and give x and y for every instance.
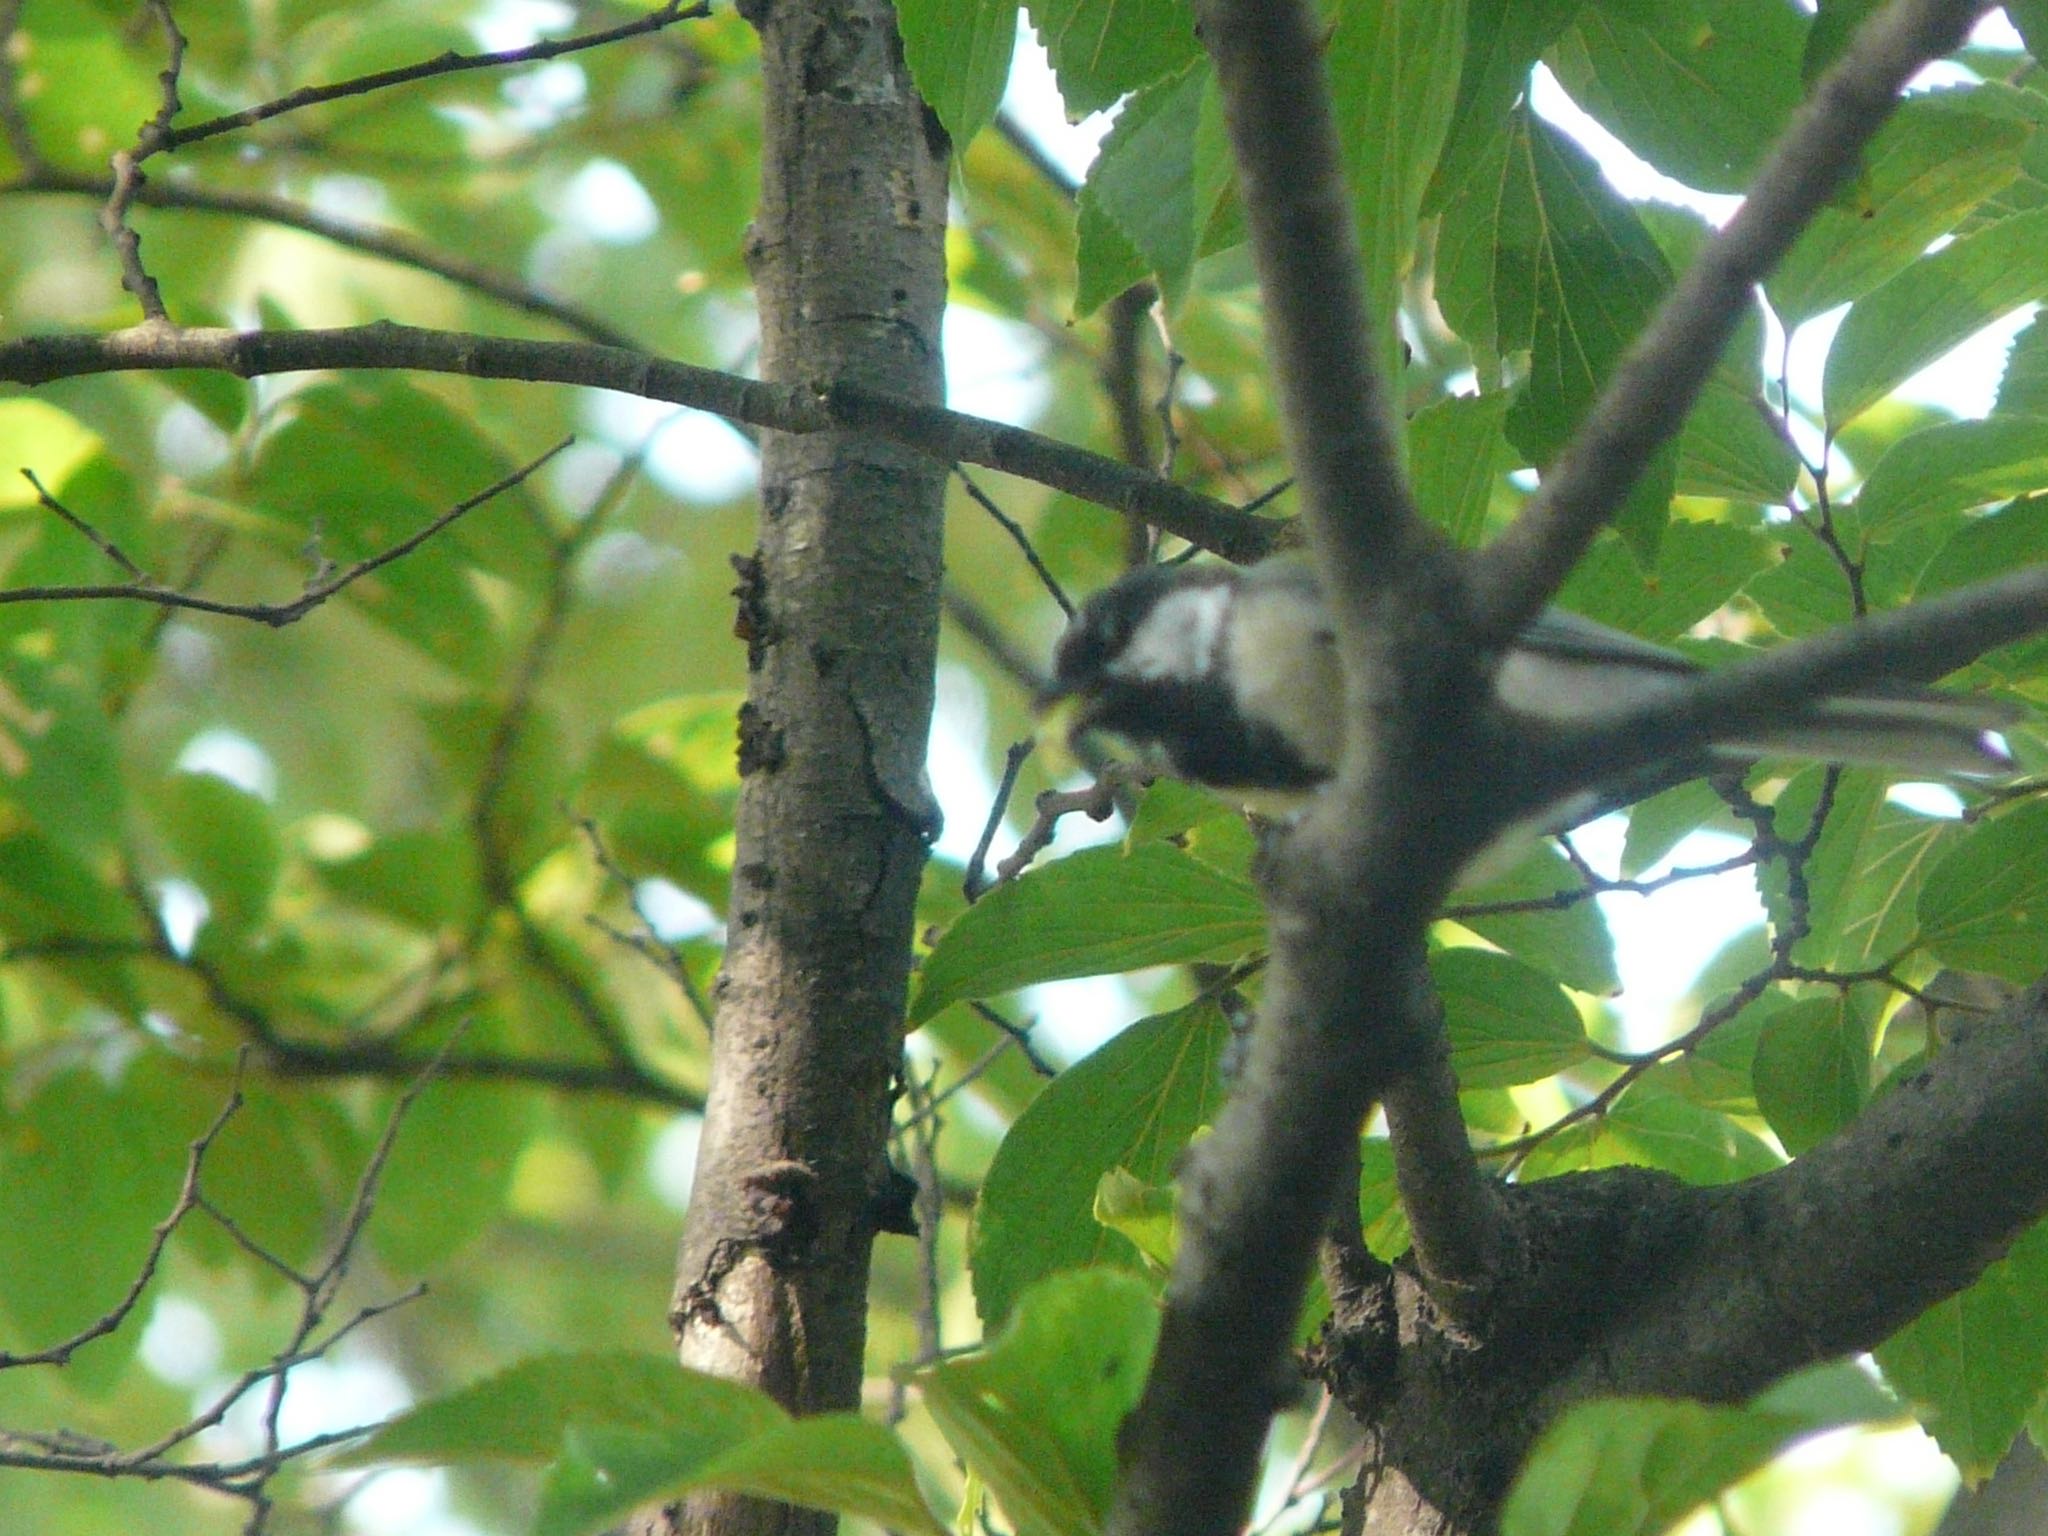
(128, 178)
(448, 63)
(946, 435)
(144, 589)
(1646, 401)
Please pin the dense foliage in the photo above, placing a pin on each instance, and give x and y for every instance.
(468, 820)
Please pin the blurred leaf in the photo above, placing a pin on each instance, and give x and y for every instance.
(1036, 1416)
(1393, 70)
(1131, 1105)
(1538, 254)
(1973, 1366)
(1930, 307)
(1142, 1212)
(1699, 88)
(1947, 469)
(1812, 1068)
(1100, 51)
(1624, 1466)
(1458, 454)
(960, 58)
(1569, 941)
(1507, 1024)
(79, 1145)
(1928, 166)
(449, 1171)
(426, 880)
(1984, 906)
(1099, 910)
(226, 843)
(1706, 564)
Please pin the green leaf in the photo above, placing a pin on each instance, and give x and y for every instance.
(625, 1430)
(960, 58)
(1931, 164)
(427, 879)
(1538, 254)
(1145, 179)
(1932, 306)
(86, 1170)
(1393, 71)
(520, 1413)
(1705, 565)
(449, 1171)
(1036, 1416)
(1458, 456)
(1569, 942)
(1132, 1105)
(36, 435)
(226, 843)
(1950, 468)
(837, 1462)
(1102, 50)
(1834, 24)
(2030, 18)
(1098, 910)
(1862, 880)
(1659, 824)
(1507, 1023)
(1635, 1466)
(2023, 391)
(1142, 1212)
(1729, 449)
(1654, 1125)
(1984, 907)
(1503, 40)
(1973, 1366)
(1699, 88)
(1812, 1068)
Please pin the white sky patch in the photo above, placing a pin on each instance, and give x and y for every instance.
(1032, 99)
(693, 456)
(610, 205)
(1626, 171)
(183, 909)
(181, 1345)
(232, 756)
(993, 368)
(673, 913)
(1662, 941)
(1938, 801)
(672, 1161)
(412, 1500)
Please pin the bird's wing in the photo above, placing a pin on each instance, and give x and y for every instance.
(1568, 637)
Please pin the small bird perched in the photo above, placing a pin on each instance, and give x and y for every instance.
(1231, 677)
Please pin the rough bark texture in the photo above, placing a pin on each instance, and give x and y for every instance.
(1627, 1281)
(839, 607)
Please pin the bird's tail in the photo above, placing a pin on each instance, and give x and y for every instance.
(1942, 735)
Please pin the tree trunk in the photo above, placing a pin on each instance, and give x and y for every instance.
(839, 607)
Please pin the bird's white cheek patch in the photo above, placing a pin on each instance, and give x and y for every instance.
(1178, 638)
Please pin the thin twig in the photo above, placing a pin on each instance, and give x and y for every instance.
(143, 587)
(128, 178)
(1018, 536)
(976, 879)
(448, 63)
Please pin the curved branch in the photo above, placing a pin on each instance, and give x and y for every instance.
(1839, 1249)
(797, 409)
(1646, 401)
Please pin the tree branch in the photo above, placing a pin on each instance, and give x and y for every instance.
(1647, 400)
(1839, 1249)
(798, 409)
(448, 63)
(1922, 642)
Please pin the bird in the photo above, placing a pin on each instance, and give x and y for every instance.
(1228, 677)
